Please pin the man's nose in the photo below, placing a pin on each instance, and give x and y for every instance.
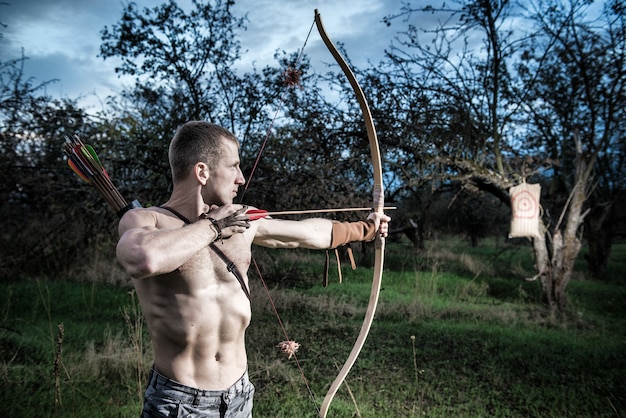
(241, 180)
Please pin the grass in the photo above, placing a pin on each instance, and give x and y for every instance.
(457, 333)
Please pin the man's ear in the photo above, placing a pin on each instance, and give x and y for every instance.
(201, 171)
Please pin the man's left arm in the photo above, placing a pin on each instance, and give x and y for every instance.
(317, 233)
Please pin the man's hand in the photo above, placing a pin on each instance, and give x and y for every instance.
(228, 220)
(382, 223)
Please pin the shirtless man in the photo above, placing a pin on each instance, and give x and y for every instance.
(196, 309)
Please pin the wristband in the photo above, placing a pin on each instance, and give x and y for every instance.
(217, 229)
(346, 232)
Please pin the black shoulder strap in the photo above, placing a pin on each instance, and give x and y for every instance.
(177, 213)
(230, 266)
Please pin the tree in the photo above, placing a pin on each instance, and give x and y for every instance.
(180, 54)
(452, 128)
(576, 93)
(184, 64)
(471, 128)
(185, 68)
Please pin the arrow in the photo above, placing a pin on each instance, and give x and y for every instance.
(254, 214)
(84, 161)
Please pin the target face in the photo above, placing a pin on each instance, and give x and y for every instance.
(525, 205)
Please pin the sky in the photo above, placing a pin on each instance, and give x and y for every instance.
(61, 38)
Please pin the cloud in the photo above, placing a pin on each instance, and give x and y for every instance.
(62, 37)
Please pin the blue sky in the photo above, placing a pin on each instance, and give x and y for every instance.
(61, 38)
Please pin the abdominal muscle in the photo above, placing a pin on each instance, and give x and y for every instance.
(197, 317)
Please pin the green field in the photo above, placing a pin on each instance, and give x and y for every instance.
(458, 333)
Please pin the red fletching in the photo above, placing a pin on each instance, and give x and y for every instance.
(255, 214)
(76, 170)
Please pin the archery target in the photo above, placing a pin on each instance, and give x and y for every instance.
(525, 206)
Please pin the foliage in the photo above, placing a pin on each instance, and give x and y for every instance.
(180, 53)
(184, 65)
(40, 196)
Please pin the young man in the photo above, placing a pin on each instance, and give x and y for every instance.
(189, 260)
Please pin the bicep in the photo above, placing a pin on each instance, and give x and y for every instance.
(279, 233)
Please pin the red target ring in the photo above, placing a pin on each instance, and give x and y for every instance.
(525, 205)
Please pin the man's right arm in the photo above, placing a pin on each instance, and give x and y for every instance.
(145, 250)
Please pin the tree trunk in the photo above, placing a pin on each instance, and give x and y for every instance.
(555, 260)
(555, 263)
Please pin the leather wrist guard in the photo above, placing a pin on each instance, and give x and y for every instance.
(346, 232)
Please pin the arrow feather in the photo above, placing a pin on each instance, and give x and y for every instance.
(77, 170)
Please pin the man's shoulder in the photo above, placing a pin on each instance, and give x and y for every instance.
(140, 218)
(151, 211)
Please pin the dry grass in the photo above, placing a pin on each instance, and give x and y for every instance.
(100, 268)
(113, 357)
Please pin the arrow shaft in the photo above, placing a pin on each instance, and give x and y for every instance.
(309, 211)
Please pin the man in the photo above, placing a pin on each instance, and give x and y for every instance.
(189, 259)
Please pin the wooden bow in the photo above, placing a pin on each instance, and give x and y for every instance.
(378, 206)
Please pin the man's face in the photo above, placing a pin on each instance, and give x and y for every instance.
(225, 177)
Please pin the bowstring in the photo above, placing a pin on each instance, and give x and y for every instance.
(250, 177)
(276, 112)
(286, 335)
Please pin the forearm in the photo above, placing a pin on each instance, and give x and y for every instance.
(315, 233)
(311, 233)
(162, 251)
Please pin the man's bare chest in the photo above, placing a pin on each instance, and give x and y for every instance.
(221, 263)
